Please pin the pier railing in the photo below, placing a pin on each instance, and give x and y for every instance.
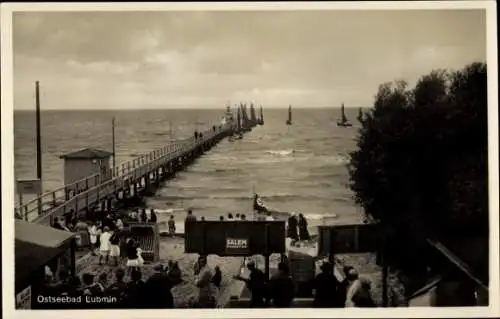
(88, 190)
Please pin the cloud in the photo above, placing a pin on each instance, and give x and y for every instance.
(204, 58)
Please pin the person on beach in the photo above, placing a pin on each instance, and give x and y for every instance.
(119, 224)
(325, 287)
(174, 272)
(143, 217)
(353, 287)
(132, 256)
(153, 218)
(207, 291)
(118, 289)
(93, 238)
(230, 217)
(292, 228)
(56, 224)
(132, 216)
(243, 217)
(171, 226)
(190, 217)
(104, 245)
(217, 278)
(341, 294)
(202, 218)
(108, 222)
(159, 287)
(362, 297)
(147, 217)
(114, 250)
(281, 287)
(136, 294)
(269, 217)
(238, 217)
(257, 284)
(303, 231)
(221, 218)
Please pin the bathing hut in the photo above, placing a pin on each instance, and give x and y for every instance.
(36, 247)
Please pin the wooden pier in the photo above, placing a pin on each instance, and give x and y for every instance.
(123, 181)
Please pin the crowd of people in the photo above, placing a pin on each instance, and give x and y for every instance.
(279, 290)
(113, 245)
(100, 292)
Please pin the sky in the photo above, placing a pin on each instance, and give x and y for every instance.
(198, 59)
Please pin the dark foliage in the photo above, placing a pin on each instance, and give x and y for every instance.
(421, 163)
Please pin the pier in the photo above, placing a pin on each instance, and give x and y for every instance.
(133, 179)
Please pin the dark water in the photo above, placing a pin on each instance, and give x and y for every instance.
(298, 168)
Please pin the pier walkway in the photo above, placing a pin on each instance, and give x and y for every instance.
(124, 180)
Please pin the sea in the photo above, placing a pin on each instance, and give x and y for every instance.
(296, 168)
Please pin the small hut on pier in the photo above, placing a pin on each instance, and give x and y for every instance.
(82, 164)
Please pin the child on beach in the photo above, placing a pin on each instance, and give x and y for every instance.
(105, 245)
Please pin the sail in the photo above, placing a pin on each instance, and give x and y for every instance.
(343, 117)
(239, 120)
(360, 115)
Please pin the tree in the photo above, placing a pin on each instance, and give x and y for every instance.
(420, 167)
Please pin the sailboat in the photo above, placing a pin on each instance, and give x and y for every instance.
(343, 121)
(289, 121)
(360, 115)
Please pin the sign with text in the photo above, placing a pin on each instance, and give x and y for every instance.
(234, 238)
(29, 187)
(345, 239)
(237, 246)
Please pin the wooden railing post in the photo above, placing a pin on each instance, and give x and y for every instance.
(54, 199)
(87, 193)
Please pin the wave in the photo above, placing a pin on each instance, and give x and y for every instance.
(269, 198)
(214, 170)
(280, 152)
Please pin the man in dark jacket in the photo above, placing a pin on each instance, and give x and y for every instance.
(281, 287)
(159, 287)
(257, 284)
(325, 286)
